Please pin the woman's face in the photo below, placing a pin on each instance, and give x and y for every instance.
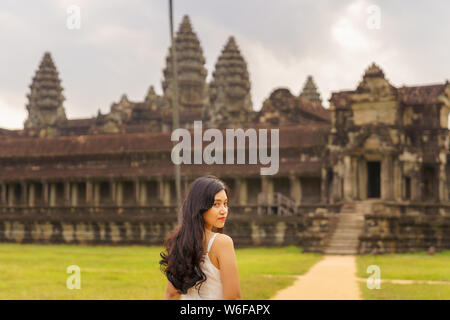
(217, 214)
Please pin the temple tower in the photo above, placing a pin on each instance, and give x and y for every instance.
(192, 88)
(45, 100)
(230, 97)
(310, 91)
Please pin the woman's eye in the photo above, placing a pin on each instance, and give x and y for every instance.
(218, 204)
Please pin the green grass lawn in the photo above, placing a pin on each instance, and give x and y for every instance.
(390, 291)
(132, 272)
(410, 266)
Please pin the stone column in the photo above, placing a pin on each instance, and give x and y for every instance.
(161, 189)
(241, 189)
(11, 195)
(52, 200)
(143, 193)
(31, 195)
(267, 188)
(443, 192)
(119, 194)
(354, 177)
(362, 178)
(166, 193)
(67, 201)
(386, 180)
(113, 191)
(348, 178)
(295, 189)
(74, 195)
(324, 196)
(398, 181)
(89, 192)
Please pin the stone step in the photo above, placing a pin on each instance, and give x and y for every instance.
(357, 218)
(348, 231)
(344, 237)
(351, 217)
(341, 251)
(349, 225)
(344, 242)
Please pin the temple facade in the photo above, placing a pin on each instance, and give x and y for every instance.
(368, 174)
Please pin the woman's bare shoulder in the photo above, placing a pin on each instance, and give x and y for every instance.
(223, 240)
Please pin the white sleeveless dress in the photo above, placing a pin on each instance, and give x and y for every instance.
(212, 288)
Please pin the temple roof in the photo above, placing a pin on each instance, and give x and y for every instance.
(10, 147)
(414, 95)
(307, 168)
(427, 94)
(282, 101)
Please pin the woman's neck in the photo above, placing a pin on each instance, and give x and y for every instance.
(208, 232)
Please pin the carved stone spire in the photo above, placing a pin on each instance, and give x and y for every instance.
(374, 86)
(151, 96)
(45, 100)
(230, 88)
(310, 91)
(149, 111)
(192, 88)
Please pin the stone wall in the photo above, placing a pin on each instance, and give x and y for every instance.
(412, 228)
(97, 226)
(319, 226)
(408, 233)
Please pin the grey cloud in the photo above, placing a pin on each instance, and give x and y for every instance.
(97, 67)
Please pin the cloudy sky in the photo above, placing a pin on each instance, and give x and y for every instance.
(121, 46)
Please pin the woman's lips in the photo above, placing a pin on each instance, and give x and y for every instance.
(222, 219)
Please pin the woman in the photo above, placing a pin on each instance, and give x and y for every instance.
(198, 262)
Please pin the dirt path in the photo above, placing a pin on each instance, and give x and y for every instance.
(333, 278)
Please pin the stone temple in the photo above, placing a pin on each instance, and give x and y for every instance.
(369, 174)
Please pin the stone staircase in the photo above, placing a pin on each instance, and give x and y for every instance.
(345, 238)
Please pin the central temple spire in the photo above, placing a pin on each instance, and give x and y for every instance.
(192, 88)
(310, 91)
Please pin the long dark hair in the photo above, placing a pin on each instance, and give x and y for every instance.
(184, 246)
